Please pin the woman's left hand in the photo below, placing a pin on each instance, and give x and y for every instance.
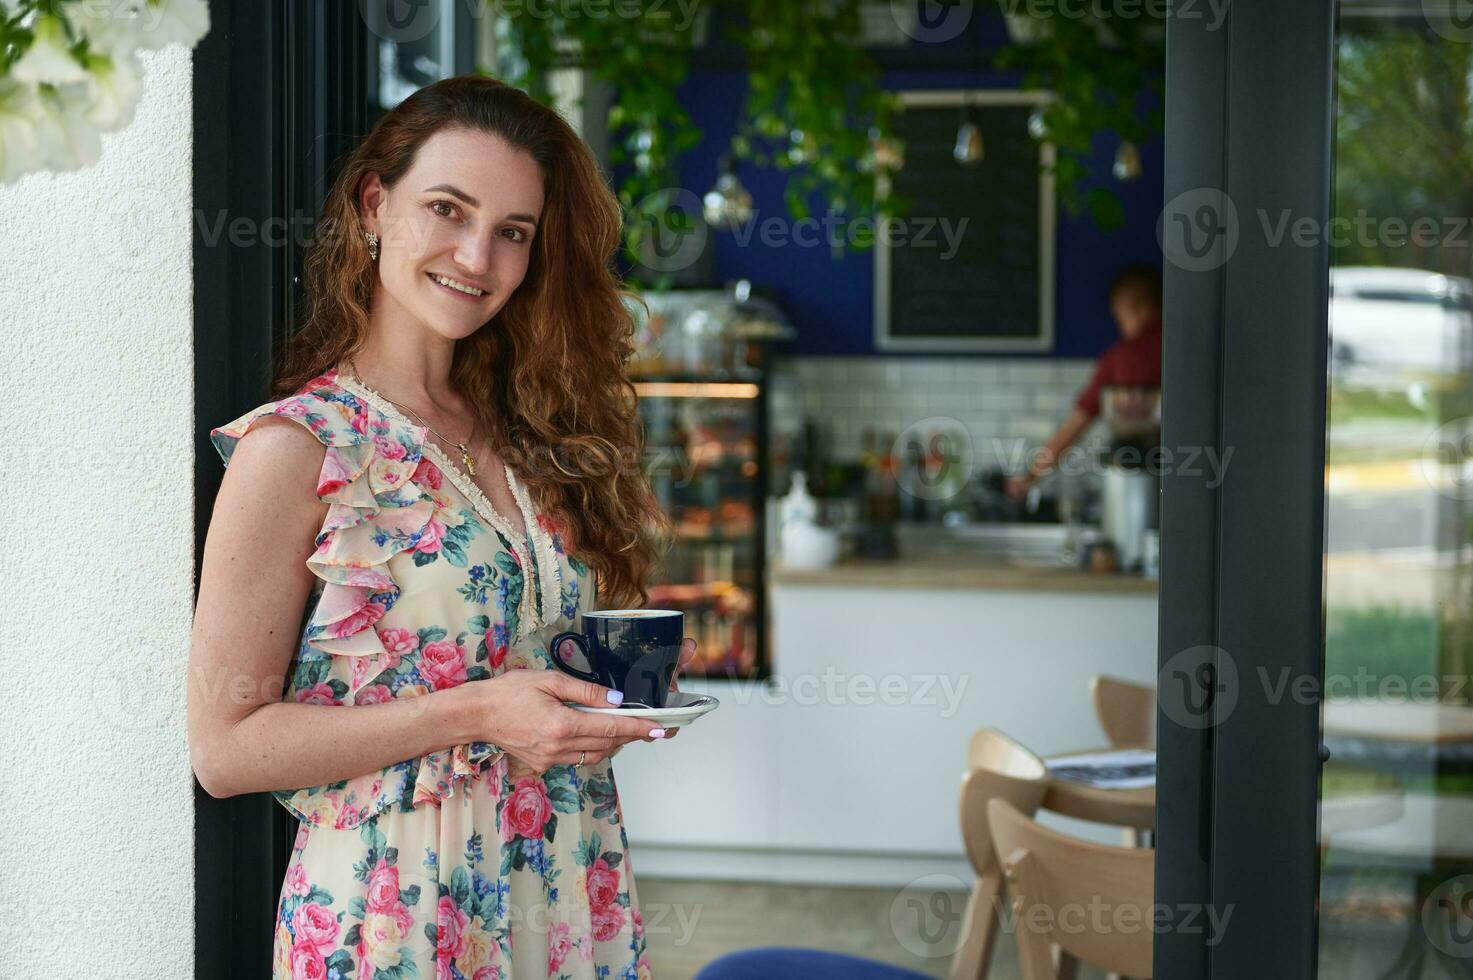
(687, 654)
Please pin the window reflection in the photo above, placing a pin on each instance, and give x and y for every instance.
(1397, 793)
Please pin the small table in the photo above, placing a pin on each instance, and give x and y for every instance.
(1135, 808)
(1124, 807)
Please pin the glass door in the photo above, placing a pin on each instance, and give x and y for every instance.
(1396, 826)
(1316, 746)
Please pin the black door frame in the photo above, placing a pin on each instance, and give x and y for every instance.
(279, 92)
(238, 319)
(1249, 124)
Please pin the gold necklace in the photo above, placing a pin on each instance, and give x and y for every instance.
(465, 454)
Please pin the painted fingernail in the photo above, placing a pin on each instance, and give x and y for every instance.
(615, 697)
(657, 733)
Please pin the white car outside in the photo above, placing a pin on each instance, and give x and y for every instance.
(1390, 325)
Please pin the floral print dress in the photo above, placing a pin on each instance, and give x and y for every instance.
(462, 864)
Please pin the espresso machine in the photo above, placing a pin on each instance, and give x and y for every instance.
(1131, 488)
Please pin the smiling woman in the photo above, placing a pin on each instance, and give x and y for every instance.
(458, 818)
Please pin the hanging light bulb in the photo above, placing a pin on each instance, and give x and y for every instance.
(1127, 161)
(968, 150)
(801, 149)
(644, 142)
(1037, 128)
(889, 153)
(728, 204)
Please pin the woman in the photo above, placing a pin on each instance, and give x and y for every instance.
(449, 476)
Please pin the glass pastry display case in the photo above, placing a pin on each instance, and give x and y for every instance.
(704, 445)
(702, 381)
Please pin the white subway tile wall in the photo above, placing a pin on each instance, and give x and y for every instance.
(1008, 405)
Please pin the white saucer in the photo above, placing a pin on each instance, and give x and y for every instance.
(681, 707)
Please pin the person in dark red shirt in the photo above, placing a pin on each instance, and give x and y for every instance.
(1134, 359)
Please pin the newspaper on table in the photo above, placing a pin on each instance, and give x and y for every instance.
(1116, 769)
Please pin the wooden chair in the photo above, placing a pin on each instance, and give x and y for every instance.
(997, 768)
(1127, 712)
(1050, 874)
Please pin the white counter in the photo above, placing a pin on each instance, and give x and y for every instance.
(845, 766)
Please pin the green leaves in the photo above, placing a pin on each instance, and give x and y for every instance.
(600, 792)
(806, 71)
(564, 798)
(460, 886)
(640, 48)
(587, 850)
(340, 960)
(807, 74)
(1106, 209)
(1097, 69)
(373, 837)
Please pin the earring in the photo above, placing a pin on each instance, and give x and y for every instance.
(372, 245)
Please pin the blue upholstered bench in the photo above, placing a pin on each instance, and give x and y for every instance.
(795, 963)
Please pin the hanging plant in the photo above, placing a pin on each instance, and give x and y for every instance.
(644, 51)
(69, 71)
(814, 109)
(811, 109)
(1094, 68)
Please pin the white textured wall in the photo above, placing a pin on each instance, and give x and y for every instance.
(96, 554)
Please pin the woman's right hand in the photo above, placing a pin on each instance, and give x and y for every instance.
(522, 712)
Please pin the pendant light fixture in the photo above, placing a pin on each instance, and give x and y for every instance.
(1037, 127)
(969, 149)
(1127, 161)
(728, 204)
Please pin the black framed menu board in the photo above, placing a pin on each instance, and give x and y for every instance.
(970, 266)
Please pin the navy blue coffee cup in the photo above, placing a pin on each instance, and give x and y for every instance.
(634, 651)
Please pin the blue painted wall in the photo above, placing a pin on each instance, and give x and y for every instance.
(831, 302)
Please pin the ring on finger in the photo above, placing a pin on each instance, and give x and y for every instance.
(581, 756)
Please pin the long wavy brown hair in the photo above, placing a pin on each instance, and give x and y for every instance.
(547, 375)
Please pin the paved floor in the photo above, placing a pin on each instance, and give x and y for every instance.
(700, 920)
(689, 923)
